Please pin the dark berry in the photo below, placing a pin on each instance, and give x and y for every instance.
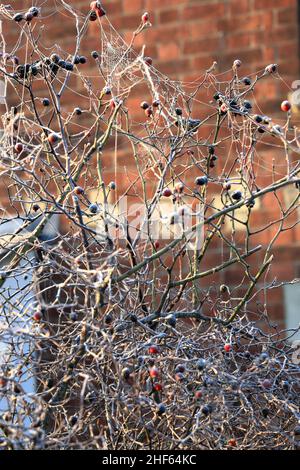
(55, 58)
(78, 111)
(93, 16)
(73, 420)
(28, 17)
(172, 321)
(247, 105)
(180, 368)
(34, 70)
(246, 81)
(161, 409)
(20, 71)
(112, 185)
(93, 208)
(82, 59)
(237, 195)
(272, 68)
(145, 105)
(78, 190)
(207, 409)
(95, 54)
(178, 111)
(108, 319)
(237, 63)
(46, 102)
(18, 17)
(148, 60)
(34, 11)
(257, 118)
(69, 66)
(201, 364)
(15, 60)
(107, 90)
(297, 431)
(265, 412)
(201, 180)
(73, 316)
(126, 373)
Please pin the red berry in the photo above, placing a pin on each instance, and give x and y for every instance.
(286, 106)
(149, 112)
(198, 394)
(157, 387)
(223, 108)
(2, 382)
(179, 377)
(19, 147)
(227, 347)
(153, 372)
(153, 349)
(232, 442)
(101, 12)
(148, 60)
(156, 244)
(167, 192)
(96, 6)
(267, 384)
(156, 103)
(78, 190)
(53, 138)
(113, 103)
(145, 17)
(37, 316)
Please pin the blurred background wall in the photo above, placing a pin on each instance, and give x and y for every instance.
(185, 39)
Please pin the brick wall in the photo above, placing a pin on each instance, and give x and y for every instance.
(186, 37)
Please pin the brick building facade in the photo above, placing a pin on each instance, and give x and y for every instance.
(185, 39)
